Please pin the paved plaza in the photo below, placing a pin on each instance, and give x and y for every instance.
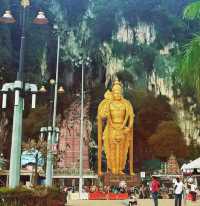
(125, 203)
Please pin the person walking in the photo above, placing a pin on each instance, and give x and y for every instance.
(178, 191)
(65, 190)
(155, 186)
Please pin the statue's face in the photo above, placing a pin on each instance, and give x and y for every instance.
(117, 95)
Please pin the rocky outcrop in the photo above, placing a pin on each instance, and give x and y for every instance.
(143, 33)
(168, 47)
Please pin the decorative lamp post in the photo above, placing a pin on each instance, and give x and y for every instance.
(56, 89)
(51, 130)
(19, 88)
(50, 151)
(81, 62)
(52, 138)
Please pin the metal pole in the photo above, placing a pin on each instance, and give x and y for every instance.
(15, 157)
(49, 142)
(81, 135)
(21, 57)
(56, 89)
(49, 159)
(52, 137)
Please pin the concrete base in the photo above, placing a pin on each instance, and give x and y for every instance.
(110, 179)
(146, 202)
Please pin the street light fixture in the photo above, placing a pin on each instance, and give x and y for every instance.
(42, 89)
(40, 18)
(19, 88)
(61, 90)
(7, 18)
(49, 130)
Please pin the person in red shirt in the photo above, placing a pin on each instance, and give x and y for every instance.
(155, 186)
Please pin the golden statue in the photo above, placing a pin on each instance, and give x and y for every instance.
(115, 131)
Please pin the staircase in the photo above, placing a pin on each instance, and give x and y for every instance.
(69, 143)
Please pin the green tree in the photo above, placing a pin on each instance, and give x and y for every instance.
(189, 67)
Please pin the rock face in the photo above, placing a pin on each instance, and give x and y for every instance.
(142, 33)
(145, 33)
(187, 120)
(69, 145)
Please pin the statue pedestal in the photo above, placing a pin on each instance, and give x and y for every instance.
(110, 179)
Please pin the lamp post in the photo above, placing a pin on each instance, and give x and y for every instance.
(19, 88)
(51, 129)
(82, 61)
(50, 151)
(52, 137)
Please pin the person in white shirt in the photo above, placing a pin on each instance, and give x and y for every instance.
(178, 191)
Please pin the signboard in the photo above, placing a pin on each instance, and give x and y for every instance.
(142, 174)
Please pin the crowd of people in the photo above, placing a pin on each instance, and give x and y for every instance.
(107, 189)
(153, 190)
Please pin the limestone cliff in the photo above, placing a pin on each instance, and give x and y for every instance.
(187, 120)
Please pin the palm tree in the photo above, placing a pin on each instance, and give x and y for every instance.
(189, 68)
(192, 11)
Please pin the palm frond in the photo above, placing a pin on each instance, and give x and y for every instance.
(189, 70)
(192, 11)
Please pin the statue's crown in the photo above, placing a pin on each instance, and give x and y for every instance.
(117, 86)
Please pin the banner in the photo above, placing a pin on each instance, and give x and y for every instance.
(107, 196)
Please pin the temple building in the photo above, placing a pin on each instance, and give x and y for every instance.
(172, 166)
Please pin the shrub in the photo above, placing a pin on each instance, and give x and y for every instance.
(38, 195)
